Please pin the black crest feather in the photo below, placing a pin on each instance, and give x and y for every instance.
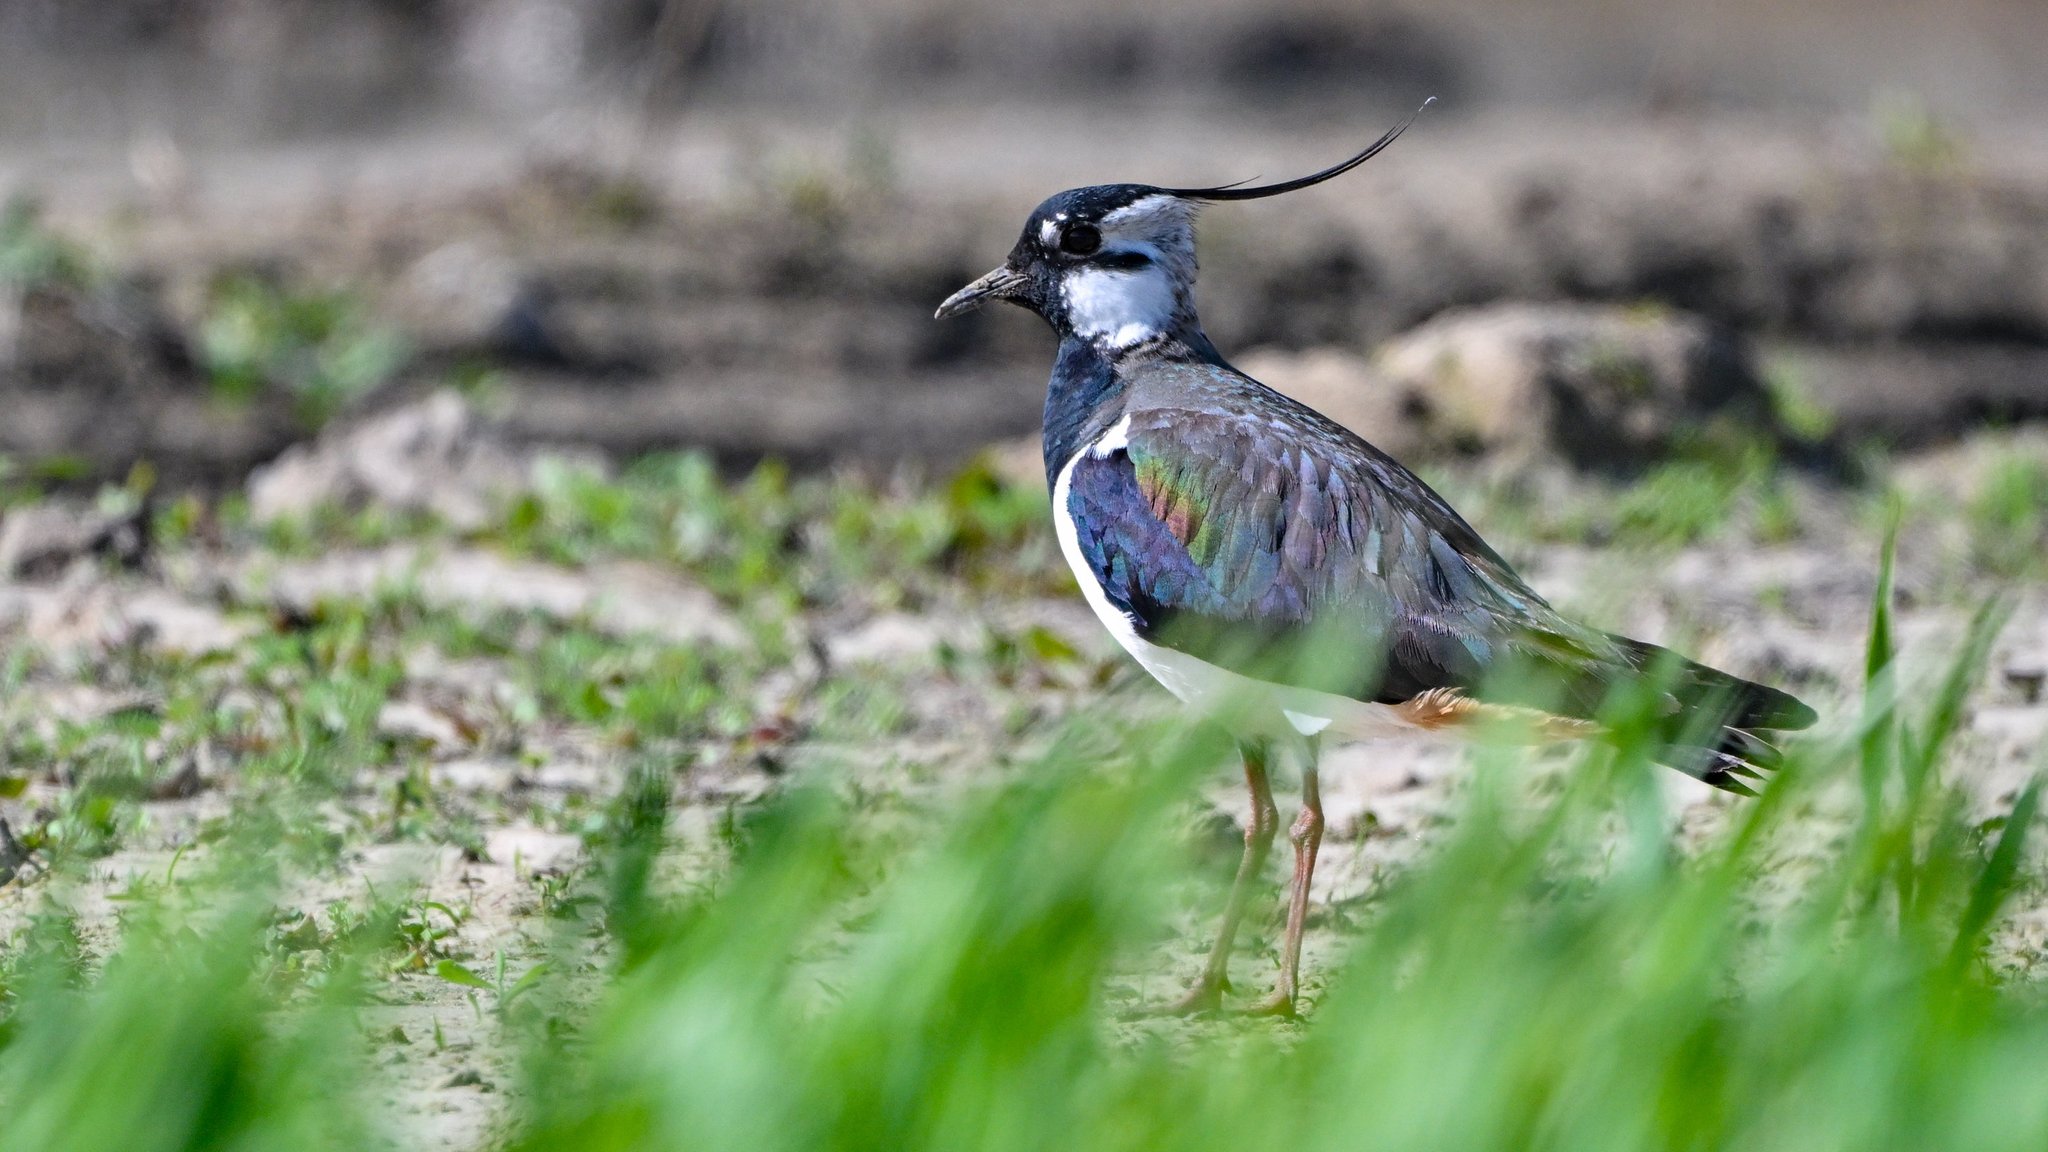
(1233, 192)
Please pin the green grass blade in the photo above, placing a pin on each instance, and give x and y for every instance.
(1879, 700)
(2000, 872)
(1923, 744)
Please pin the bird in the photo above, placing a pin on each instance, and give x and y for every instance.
(1283, 577)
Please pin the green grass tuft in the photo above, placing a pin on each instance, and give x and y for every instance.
(757, 951)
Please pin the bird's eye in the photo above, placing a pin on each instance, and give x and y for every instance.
(1080, 240)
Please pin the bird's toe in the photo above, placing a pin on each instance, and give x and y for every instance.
(1279, 1004)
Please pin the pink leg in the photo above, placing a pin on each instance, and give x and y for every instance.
(1307, 836)
(1207, 993)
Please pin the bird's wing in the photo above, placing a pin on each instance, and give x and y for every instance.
(1281, 546)
(1272, 542)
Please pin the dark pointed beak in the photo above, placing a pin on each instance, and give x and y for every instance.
(1005, 283)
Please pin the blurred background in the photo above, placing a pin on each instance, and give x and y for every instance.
(493, 543)
(641, 224)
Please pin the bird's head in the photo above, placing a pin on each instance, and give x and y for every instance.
(1114, 264)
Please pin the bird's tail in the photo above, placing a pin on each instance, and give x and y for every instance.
(1717, 733)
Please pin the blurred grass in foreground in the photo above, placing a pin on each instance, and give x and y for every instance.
(1537, 983)
(1550, 975)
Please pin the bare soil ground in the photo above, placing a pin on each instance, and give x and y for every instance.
(435, 721)
(761, 284)
(426, 700)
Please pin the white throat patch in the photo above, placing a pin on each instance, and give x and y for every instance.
(1119, 308)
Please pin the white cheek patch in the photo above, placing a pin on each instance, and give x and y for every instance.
(1120, 308)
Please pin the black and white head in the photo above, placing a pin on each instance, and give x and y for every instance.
(1114, 264)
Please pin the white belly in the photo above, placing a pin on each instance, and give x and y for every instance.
(1250, 708)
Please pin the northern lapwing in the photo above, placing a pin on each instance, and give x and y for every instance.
(1284, 577)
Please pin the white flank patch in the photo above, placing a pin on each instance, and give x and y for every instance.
(1119, 308)
(1116, 439)
(1250, 708)
(1306, 725)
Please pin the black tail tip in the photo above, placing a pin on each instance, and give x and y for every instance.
(1740, 757)
(1760, 706)
(1804, 717)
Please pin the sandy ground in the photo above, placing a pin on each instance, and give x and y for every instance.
(680, 331)
(524, 786)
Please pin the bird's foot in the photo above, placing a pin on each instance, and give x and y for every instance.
(1204, 998)
(1279, 1004)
